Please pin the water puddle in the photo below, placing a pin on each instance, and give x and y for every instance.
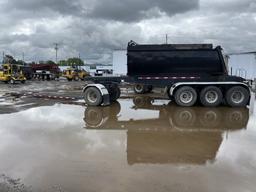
(138, 144)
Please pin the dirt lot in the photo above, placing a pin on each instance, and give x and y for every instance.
(137, 144)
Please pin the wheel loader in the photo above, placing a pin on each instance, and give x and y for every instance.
(75, 74)
(11, 73)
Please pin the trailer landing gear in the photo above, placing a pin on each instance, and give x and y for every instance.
(141, 89)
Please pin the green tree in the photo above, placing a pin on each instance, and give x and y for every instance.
(50, 62)
(62, 63)
(75, 61)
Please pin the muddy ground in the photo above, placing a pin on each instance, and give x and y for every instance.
(140, 143)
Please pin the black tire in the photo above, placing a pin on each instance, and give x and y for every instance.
(76, 78)
(142, 101)
(94, 116)
(149, 89)
(92, 96)
(210, 118)
(82, 79)
(114, 109)
(115, 94)
(139, 89)
(237, 96)
(185, 96)
(12, 81)
(69, 79)
(211, 96)
(236, 118)
(184, 117)
(23, 81)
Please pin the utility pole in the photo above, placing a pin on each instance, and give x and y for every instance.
(79, 59)
(56, 49)
(3, 57)
(166, 38)
(23, 56)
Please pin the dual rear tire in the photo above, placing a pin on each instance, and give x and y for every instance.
(93, 96)
(212, 96)
(141, 89)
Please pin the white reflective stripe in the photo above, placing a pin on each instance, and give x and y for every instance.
(174, 86)
(172, 77)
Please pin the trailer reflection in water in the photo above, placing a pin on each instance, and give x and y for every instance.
(177, 136)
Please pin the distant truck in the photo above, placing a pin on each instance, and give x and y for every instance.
(188, 72)
(45, 71)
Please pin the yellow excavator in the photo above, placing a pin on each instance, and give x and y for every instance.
(12, 73)
(75, 74)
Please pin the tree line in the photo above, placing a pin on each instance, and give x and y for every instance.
(75, 61)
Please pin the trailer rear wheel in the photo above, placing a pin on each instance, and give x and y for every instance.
(149, 88)
(94, 116)
(93, 96)
(115, 93)
(237, 96)
(185, 96)
(211, 96)
(76, 78)
(139, 89)
(12, 81)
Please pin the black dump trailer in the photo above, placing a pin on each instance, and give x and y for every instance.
(188, 72)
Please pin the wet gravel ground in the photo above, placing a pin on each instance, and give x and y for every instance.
(140, 143)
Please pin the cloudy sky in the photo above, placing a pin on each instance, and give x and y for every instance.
(94, 28)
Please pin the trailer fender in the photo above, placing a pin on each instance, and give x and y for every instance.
(103, 90)
(176, 85)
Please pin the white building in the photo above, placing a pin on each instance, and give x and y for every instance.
(243, 64)
(120, 62)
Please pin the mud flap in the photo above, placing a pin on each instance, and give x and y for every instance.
(105, 100)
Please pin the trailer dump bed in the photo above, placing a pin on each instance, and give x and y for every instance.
(189, 74)
(175, 59)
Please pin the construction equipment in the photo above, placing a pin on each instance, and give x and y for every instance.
(12, 73)
(73, 73)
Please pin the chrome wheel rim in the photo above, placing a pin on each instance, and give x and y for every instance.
(237, 97)
(186, 116)
(138, 88)
(92, 96)
(186, 97)
(211, 96)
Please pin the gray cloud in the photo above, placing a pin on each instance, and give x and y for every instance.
(134, 10)
(63, 7)
(94, 28)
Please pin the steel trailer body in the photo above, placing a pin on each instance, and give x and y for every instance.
(189, 72)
